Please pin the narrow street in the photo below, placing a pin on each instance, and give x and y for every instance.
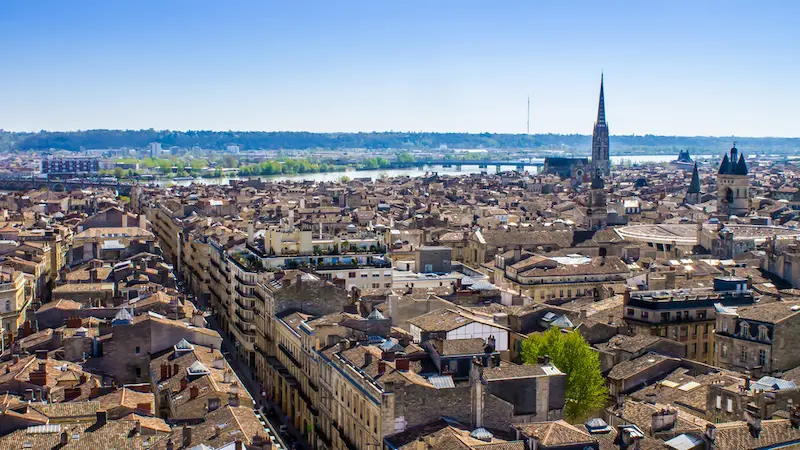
(248, 378)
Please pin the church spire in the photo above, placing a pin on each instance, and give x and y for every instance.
(694, 185)
(601, 109)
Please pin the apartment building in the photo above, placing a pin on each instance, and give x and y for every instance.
(685, 315)
(14, 301)
(758, 339)
(559, 278)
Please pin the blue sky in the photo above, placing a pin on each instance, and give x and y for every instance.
(687, 68)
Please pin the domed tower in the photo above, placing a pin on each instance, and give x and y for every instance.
(733, 185)
(596, 207)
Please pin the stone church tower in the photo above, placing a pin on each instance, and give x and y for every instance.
(600, 155)
(733, 185)
(596, 207)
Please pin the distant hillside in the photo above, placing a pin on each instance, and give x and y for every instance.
(574, 143)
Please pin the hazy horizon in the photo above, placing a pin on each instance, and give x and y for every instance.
(671, 69)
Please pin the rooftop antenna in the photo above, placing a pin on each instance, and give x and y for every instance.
(528, 128)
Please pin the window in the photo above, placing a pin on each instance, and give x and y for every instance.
(705, 348)
(745, 330)
(729, 405)
(138, 371)
(561, 293)
(137, 350)
(763, 333)
(762, 357)
(701, 315)
(694, 349)
(665, 316)
(630, 311)
(694, 331)
(743, 355)
(724, 350)
(645, 314)
(351, 275)
(705, 330)
(719, 402)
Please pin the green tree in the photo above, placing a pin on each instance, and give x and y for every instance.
(586, 387)
(405, 157)
(229, 161)
(119, 172)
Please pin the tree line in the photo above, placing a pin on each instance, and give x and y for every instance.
(288, 140)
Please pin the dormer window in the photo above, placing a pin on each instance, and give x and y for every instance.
(745, 330)
(763, 333)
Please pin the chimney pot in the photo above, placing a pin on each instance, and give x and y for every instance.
(187, 436)
(101, 417)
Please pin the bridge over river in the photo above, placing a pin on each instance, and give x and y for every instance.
(24, 183)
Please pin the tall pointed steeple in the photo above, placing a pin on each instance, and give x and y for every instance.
(694, 185)
(600, 151)
(601, 108)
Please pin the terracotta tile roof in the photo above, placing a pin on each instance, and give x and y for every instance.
(556, 433)
(115, 434)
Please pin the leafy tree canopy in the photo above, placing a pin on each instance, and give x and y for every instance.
(586, 387)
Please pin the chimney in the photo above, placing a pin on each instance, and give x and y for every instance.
(711, 432)
(194, 391)
(298, 281)
(64, 438)
(491, 342)
(170, 445)
(137, 427)
(187, 436)
(343, 345)
(251, 233)
(401, 364)
(227, 376)
(233, 399)
(175, 370)
(664, 420)
(238, 444)
(164, 371)
(74, 322)
(101, 417)
(184, 383)
(367, 358)
(42, 354)
(584, 313)
(93, 275)
(420, 444)
(144, 408)
(544, 360)
(382, 369)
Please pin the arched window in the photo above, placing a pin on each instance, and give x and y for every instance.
(745, 330)
(763, 333)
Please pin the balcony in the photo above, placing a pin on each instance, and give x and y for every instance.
(243, 305)
(322, 436)
(244, 293)
(244, 329)
(290, 356)
(243, 317)
(244, 282)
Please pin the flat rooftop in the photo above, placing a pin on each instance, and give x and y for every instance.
(686, 234)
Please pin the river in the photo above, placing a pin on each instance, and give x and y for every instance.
(411, 172)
